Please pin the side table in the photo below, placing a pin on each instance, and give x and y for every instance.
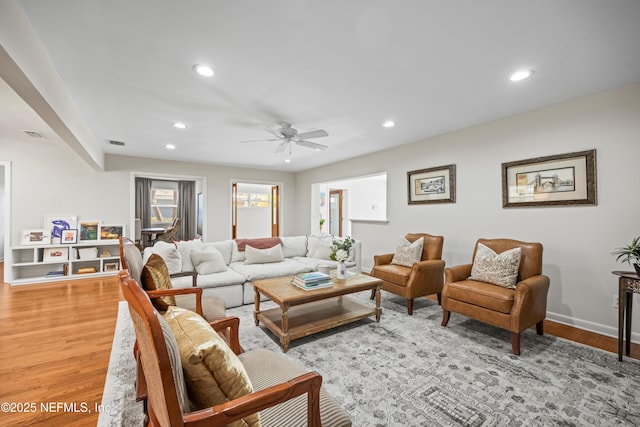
(628, 284)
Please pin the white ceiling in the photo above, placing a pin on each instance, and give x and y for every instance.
(433, 66)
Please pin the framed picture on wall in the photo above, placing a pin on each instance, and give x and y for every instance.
(432, 185)
(560, 180)
(54, 224)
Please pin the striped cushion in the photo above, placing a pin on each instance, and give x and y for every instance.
(265, 369)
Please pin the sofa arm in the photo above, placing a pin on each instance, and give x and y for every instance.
(457, 273)
(193, 274)
(530, 302)
(383, 259)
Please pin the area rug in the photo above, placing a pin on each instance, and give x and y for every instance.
(409, 371)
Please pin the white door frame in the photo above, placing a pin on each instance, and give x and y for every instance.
(7, 220)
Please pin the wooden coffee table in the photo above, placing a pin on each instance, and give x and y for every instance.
(301, 312)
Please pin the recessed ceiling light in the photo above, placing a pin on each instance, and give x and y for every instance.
(179, 125)
(170, 147)
(521, 75)
(287, 160)
(203, 70)
(389, 124)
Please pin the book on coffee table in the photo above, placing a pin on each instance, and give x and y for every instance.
(313, 280)
(312, 286)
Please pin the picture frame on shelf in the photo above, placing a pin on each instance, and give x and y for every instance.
(35, 237)
(69, 237)
(54, 224)
(111, 232)
(432, 185)
(55, 254)
(111, 266)
(560, 180)
(89, 229)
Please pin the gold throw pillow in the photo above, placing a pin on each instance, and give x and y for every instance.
(155, 275)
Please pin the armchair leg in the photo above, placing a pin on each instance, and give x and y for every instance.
(445, 317)
(540, 327)
(515, 343)
(373, 294)
(410, 306)
(439, 295)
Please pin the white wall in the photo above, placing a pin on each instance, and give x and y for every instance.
(577, 240)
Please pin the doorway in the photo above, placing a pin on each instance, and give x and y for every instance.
(335, 212)
(255, 210)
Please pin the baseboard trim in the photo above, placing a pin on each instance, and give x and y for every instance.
(596, 328)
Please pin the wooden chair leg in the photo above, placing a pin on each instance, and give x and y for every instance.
(540, 327)
(373, 294)
(445, 317)
(410, 306)
(439, 295)
(515, 343)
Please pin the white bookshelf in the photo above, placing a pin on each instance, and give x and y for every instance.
(28, 264)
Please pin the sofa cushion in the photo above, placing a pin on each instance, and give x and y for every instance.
(208, 261)
(236, 254)
(225, 247)
(294, 246)
(498, 269)
(312, 241)
(265, 369)
(263, 256)
(168, 252)
(213, 373)
(185, 247)
(482, 294)
(267, 271)
(225, 278)
(321, 250)
(155, 275)
(408, 253)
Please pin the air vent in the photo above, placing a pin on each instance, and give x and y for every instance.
(34, 134)
(118, 143)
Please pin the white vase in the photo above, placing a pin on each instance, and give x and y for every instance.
(341, 273)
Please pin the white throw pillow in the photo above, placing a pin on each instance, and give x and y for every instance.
(498, 269)
(321, 250)
(185, 247)
(408, 253)
(294, 246)
(263, 256)
(312, 241)
(170, 255)
(208, 261)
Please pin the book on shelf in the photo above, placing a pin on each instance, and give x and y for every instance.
(55, 273)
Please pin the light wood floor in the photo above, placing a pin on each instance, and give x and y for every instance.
(55, 343)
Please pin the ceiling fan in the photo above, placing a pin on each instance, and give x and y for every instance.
(287, 134)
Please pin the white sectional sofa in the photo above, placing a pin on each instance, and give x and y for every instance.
(229, 275)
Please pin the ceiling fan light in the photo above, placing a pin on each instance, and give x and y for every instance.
(521, 75)
(203, 70)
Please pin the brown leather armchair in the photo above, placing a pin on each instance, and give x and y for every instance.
(425, 277)
(512, 309)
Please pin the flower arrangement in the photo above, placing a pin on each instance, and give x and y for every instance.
(340, 249)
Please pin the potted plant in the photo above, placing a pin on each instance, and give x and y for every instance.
(630, 254)
(321, 223)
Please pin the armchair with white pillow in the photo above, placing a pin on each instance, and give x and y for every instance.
(414, 270)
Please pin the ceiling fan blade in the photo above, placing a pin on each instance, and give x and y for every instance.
(313, 134)
(313, 145)
(273, 132)
(280, 148)
(259, 140)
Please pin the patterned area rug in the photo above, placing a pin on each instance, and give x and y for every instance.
(409, 371)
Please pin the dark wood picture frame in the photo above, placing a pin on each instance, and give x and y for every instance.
(560, 180)
(432, 185)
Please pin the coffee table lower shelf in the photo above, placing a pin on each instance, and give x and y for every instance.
(310, 318)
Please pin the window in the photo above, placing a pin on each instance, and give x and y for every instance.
(164, 203)
(253, 200)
